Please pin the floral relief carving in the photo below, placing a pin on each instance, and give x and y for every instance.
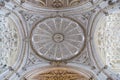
(57, 3)
(83, 59)
(59, 74)
(33, 60)
(9, 42)
(107, 41)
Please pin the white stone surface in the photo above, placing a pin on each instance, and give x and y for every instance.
(57, 38)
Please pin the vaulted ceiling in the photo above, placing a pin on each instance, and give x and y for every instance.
(59, 40)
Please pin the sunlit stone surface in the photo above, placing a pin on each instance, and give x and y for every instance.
(9, 41)
(107, 39)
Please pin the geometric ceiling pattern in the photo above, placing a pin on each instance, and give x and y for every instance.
(59, 40)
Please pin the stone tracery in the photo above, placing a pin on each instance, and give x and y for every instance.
(9, 41)
(107, 41)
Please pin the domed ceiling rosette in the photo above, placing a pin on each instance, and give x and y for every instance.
(57, 38)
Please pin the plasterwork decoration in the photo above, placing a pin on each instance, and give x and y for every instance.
(83, 59)
(30, 18)
(9, 42)
(56, 41)
(57, 38)
(59, 74)
(33, 60)
(57, 3)
(107, 40)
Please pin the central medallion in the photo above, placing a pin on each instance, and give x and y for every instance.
(57, 38)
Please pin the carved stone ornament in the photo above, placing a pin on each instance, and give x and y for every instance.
(58, 74)
(57, 3)
(107, 41)
(57, 38)
(9, 42)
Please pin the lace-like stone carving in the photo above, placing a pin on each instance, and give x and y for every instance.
(8, 42)
(108, 41)
(57, 38)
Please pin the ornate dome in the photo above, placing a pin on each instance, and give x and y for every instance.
(57, 38)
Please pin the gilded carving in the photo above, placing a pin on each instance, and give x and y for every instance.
(59, 74)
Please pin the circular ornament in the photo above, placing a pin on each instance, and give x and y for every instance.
(57, 38)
